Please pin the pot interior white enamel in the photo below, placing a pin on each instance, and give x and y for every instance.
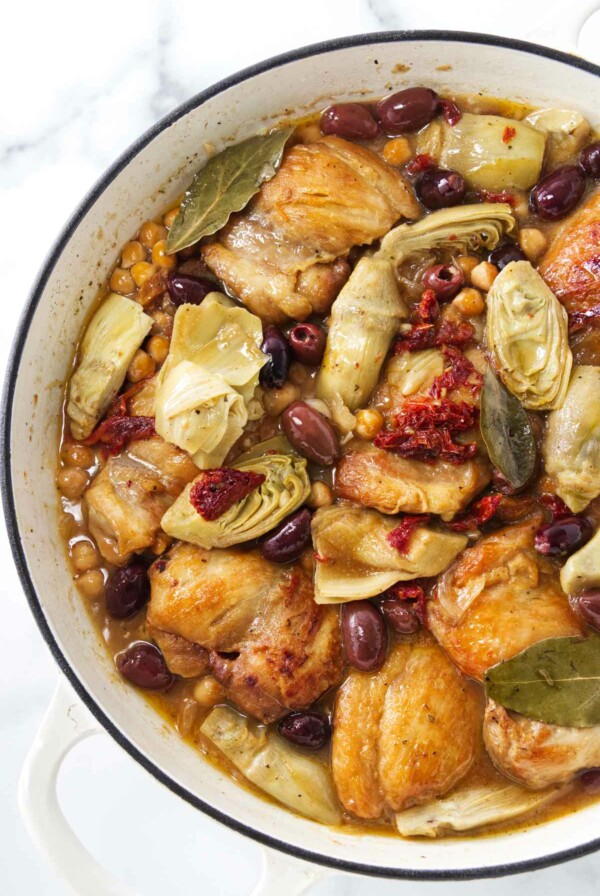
(138, 187)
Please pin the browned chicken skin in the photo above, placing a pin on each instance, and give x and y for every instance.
(498, 598)
(283, 257)
(270, 645)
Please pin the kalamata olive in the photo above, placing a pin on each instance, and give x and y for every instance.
(143, 664)
(310, 730)
(127, 590)
(399, 615)
(289, 539)
(446, 280)
(185, 289)
(563, 536)
(588, 604)
(440, 188)
(408, 110)
(590, 780)
(350, 120)
(310, 433)
(308, 343)
(275, 371)
(504, 254)
(557, 193)
(364, 634)
(590, 160)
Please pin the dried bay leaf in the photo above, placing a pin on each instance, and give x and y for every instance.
(555, 681)
(225, 185)
(506, 431)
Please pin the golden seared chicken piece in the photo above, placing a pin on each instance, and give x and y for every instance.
(498, 598)
(405, 734)
(183, 657)
(571, 266)
(537, 754)
(127, 499)
(283, 256)
(270, 645)
(392, 484)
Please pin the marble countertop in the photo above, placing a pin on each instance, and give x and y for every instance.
(80, 82)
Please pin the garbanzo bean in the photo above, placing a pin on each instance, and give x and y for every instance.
(170, 216)
(320, 495)
(85, 556)
(277, 400)
(533, 242)
(397, 152)
(150, 233)
(142, 271)
(91, 583)
(467, 263)
(132, 252)
(158, 348)
(208, 692)
(469, 302)
(298, 374)
(75, 455)
(483, 275)
(160, 257)
(141, 366)
(369, 422)
(122, 282)
(72, 482)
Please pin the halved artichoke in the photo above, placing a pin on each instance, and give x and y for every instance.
(364, 319)
(527, 332)
(461, 230)
(285, 488)
(566, 131)
(582, 569)
(296, 779)
(356, 561)
(112, 338)
(572, 444)
(469, 807)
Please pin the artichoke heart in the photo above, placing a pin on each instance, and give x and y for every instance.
(364, 319)
(298, 780)
(572, 444)
(527, 334)
(461, 230)
(469, 807)
(582, 569)
(113, 336)
(356, 561)
(285, 488)
(566, 131)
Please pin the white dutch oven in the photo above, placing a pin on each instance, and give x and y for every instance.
(138, 186)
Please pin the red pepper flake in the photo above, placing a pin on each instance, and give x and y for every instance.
(421, 162)
(557, 507)
(118, 431)
(460, 372)
(425, 431)
(508, 134)
(502, 196)
(578, 319)
(218, 490)
(428, 309)
(421, 336)
(477, 514)
(320, 558)
(401, 536)
(451, 112)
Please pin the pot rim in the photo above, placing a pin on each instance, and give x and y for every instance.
(5, 440)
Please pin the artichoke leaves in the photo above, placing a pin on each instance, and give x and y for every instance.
(297, 779)
(208, 378)
(355, 559)
(111, 339)
(572, 444)
(566, 131)
(582, 569)
(286, 486)
(527, 334)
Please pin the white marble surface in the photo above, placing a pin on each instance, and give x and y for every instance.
(79, 83)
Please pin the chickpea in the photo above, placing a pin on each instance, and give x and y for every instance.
(122, 282)
(320, 495)
(150, 233)
(397, 151)
(469, 302)
(369, 422)
(208, 692)
(163, 322)
(483, 275)
(91, 583)
(275, 401)
(132, 252)
(158, 348)
(160, 257)
(85, 556)
(467, 263)
(170, 216)
(72, 482)
(142, 271)
(76, 455)
(298, 373)
(141, 366)
(533, 243)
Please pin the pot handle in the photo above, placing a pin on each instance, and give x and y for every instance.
(66, 723)
(562, 24)
(284, 875)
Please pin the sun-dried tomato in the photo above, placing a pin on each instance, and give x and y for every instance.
(404, 591)
(421, 336)
(477, 514)
(508, 134)
(421, 162)
(401, 536)
(451, 112)
(116, 432)
(557, 507)
(425, 431)
(428, 309)
(460, 372)
(218, 490)
(501, 196)
(579, 319)
(120, 406)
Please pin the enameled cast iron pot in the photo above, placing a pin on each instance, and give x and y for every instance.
(138, 186)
